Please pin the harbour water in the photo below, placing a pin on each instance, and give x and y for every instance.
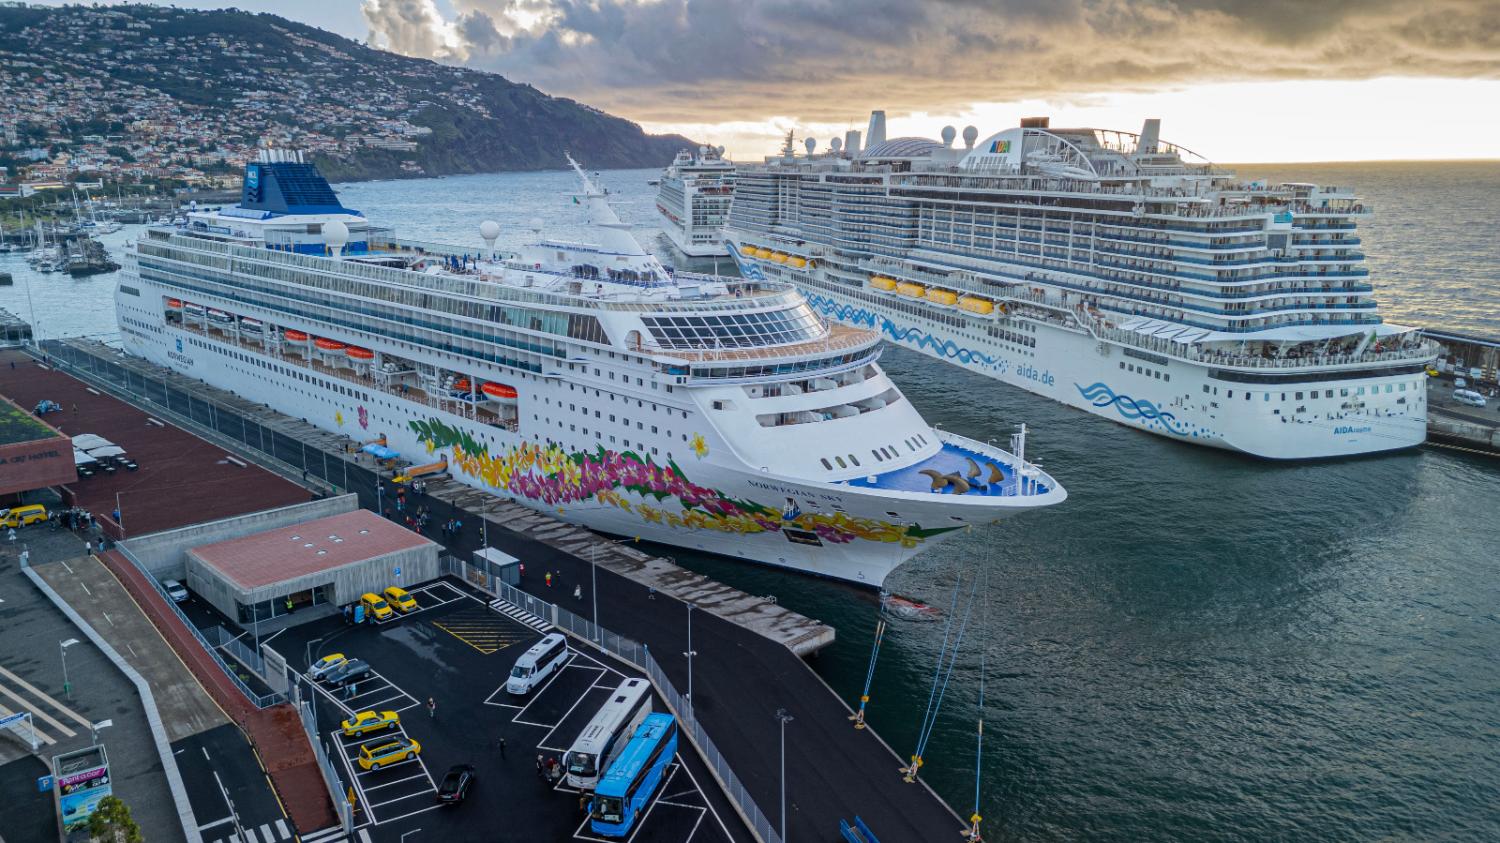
(1196, 646)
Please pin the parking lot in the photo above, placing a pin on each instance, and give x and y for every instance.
(457, 651)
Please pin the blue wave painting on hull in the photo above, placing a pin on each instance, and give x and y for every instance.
(911, 336)
(1129, 408)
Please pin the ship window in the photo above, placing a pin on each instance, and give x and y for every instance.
(826, 464)
(854, 460)
(840, 461)
(876, 455)
(1122, 364)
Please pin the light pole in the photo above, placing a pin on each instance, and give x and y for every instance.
(62, 647)
(594, 586)
(690, 653)
(785, 718)
(312, 691)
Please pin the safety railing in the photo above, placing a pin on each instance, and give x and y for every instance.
(331, 778)
(639, 655)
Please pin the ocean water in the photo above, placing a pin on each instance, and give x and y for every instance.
(1195, 646)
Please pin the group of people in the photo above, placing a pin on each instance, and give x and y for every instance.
(77, 519)
(548, 770)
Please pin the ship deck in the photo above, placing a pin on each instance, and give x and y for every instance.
(954, 461)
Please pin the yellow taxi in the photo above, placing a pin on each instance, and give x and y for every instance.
(366, 722)
(22, 515)
(376, 606)
(1432, 371)
(398, 597)
(373, 756)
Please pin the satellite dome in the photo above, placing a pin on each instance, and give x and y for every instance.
(721, 150)
(949, 133)
(836, 144)
(702, 150)
(335, 234)
(971, 134)
(489, 229)
(536, 223)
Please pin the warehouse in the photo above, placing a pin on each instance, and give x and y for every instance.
(326, 561)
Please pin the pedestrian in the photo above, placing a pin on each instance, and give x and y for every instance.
(348, 614)
(116, 514)
(349, 690)
(431, 707)
(577, 592)
(88, 547)
(289, 607)
(539, 766)
(549, 573)
(25, 555)
(502, 747)
(583, 803)
(651, 593)
(521, 569)
(75, 409)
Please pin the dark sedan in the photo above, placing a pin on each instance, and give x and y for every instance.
(455, 785)
(352, 670)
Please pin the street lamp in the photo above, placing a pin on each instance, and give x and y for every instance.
(312, 691)
(690, 653)
(784, 718)
(62, 647)
(594, 575)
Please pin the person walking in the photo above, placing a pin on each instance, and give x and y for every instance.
(577, 592)
(549, 573)
(539, 767)
(502, 747)
(88, 548)
(431, 707)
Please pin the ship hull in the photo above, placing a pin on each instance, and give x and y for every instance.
(1172, 398)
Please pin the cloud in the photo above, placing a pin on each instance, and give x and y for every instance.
(713, 61)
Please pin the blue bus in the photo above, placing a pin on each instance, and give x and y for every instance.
(626, 787)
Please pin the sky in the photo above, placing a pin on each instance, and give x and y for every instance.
(1235, 80)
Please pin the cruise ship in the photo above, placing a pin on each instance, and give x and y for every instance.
(693, 201)
(579, 378)
(1111, 271)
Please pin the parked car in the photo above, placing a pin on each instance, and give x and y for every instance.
(322, 667)
(373, 756)
(22, 515)
(398, 597)
(456, 783)
(176, 591)
(352, 670)
(376, 606)
(1469, 397)
(370, 721)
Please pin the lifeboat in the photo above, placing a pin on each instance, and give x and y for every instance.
(193, 308)
(912, 289)
(251, 325)
(357, 353)
(764, 253)
(779, 257)
(747, 250)
(296, 336)
(975, 304)
(175, 304)
(462, 385)
(880, 282)
(797, 262)
(943, 297)
(329, 345)
(499, 390)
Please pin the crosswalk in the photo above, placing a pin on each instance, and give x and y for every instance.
(337, 835)
(51, 720)
(519, 615)
(266, 833)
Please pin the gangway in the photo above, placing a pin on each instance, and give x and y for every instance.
(858, 833)
(411, 474)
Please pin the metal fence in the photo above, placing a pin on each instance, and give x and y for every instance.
(259, 700)
(236, 647)
(639, 655)
(330, 773)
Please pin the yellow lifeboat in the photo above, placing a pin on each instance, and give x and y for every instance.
(975, 304)
(797, 262)
(779, 257)
(912, 289)
(943, 297)
(880, 282)
(747, 250)
(763, 253)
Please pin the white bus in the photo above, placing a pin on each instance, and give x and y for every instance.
(537, 664)
(607, 733)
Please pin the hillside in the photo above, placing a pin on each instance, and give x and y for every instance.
(149, 92)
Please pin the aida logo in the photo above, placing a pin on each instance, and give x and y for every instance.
(999, 147)
(252, 177)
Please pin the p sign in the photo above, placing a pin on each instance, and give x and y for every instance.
(44, 784)
(398, 572)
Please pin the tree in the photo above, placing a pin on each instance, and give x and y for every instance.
(111, 822)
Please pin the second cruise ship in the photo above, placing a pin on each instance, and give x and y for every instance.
(579, 378)
(693, 201)
(1111, 271)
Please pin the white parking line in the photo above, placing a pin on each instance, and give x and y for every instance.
(397, 781)
(545, 685)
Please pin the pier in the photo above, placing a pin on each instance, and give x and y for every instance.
(746, 664)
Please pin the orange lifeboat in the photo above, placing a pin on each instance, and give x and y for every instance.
(499, 390)
(358, 353)
(462, 385)
(329, 345)
(296, 336)
(174, 303)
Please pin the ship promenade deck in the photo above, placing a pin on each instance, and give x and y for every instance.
(746, 667)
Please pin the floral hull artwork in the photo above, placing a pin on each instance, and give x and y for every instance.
(554, 476)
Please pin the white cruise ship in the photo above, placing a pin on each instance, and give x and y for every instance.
(1110, 271)
(579, 378)
(693, 201)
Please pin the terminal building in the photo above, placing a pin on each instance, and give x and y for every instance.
(326, 561)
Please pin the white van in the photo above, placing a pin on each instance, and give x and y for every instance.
(1469, 397)
(536, 664)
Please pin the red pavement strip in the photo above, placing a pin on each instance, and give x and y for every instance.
(182, 479)
(276, 732)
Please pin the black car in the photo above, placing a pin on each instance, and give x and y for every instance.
(352, 670)
(456, 784)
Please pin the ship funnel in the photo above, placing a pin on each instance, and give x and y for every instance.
(971, 135)
(949, 133)
(875, 135)
(1150, 137)
(851, 143)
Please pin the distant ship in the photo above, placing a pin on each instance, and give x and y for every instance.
(1111, 271)
(693, 201)
(578, 378)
